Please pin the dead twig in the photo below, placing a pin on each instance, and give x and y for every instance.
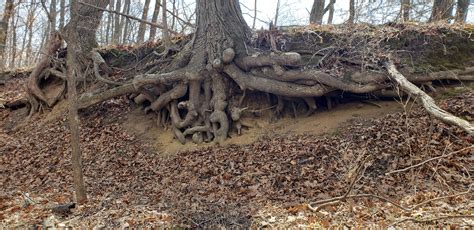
(427, 220)
(428, 160)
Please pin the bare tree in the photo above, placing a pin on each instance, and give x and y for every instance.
(166, 34)
(62, 13)
(72, 72)
(142, 28)
(331, 11)
(277, 13)
(52, 13)
(442, 10)
(254, 14)
(13, 41)
(154, 19)
(317, 12)
(461, 11)
(405, 7)
(4, 23)
(351, 11)
(117, 30)
(126, 21)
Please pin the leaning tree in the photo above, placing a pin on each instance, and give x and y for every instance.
(205, 89)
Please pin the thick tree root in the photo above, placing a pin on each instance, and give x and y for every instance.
(198, 98)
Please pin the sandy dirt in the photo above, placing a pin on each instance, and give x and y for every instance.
(321, 122)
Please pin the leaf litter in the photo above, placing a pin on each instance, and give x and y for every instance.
(265, 184)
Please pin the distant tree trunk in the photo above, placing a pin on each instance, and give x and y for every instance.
(126, 10)
(62, 13)
(29, 50)
(13, 39)
(277, 12)
(173, 19)
(23, 43)
(254, 14)
(43, 41)
(154, 19)
(405, 10)
(7, 14)
(166, 34)
(117, 29)
(317, 12)
(52, 13)
(351, 11)
(461, 11)
(331, 11)
(142, 28)
(110, 24)
(442, 10)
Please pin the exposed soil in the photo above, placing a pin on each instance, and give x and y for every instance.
(322, 122)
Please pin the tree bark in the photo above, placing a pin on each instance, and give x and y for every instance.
(254, 14)
(154, 19)
(405, 10)
(166, 33)
(126, 34)
(4, 23)
(13, 41)
(442, 10)
(351, 11)
(142, 28)
(52, 13)
(73, 70)
(317, 12)
(331, 11)
(62, 14)
(117, 30)
(461, 11)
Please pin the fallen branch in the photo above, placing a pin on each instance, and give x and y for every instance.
(431, 219)
(427, 102)
(428, 160)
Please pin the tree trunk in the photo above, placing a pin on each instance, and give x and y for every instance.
(110, 24)
(62, 14)
(442, 10)
(405, 10)
(154, 19)
(126, 35)
(13, 41)
(331, 11)
(166, 33)
(142, 28)
(277, 13)
(461, 11)
(73, 70)
(52, 13)
(317, 12)
(4, 23)
(117, 30)
(351, 11)
(254, 14)
(29, 50)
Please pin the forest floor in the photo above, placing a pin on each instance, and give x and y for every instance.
(137, 175)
